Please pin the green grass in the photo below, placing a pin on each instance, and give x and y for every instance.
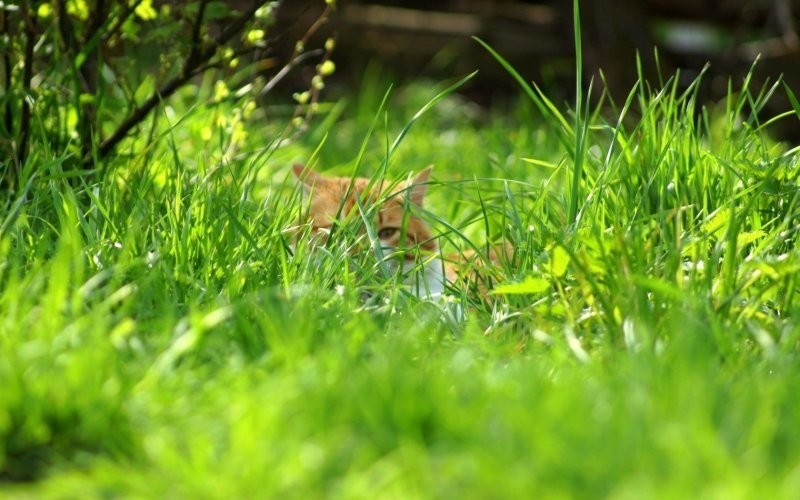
(158, 338)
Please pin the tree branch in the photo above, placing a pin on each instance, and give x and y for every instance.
(128, 9)
(88, 73)
(8, 174)
(286, 69)
(8, 118)
(97, 19)
(27, 76)
(196, 42)
(191, 69)
(64, 28)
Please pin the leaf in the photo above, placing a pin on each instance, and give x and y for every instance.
(145, 10)
(540, 163)
(559, 259)
(44, 11)
(78, 9)
(145, 89)
(530, 285)
(748, 237)
(718, 221)
(792, 99)
(217, 10)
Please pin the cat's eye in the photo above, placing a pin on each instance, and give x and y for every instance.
(387, 232)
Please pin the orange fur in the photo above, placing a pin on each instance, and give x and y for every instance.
(330, 196)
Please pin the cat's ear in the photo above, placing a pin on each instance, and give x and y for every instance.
(419, 186)
(306, 176)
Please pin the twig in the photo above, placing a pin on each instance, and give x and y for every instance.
(315, 91)
(139, 114)
(96, 20)
(64, 28)
(196, 42)
(88, 72)
(322, 19)
(127, 11)
(7, 180)
(280, 75)
(8, 118)
(297, 56)
(197, 66)
(27, 76)
(81, 75)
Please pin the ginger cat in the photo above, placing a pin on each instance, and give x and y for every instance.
(400, 231)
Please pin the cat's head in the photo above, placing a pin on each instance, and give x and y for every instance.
(334, 199)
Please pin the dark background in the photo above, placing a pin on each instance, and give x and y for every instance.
(433, 39)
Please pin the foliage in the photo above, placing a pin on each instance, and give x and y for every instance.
(160, 339)
(162, 336)
(83, 76)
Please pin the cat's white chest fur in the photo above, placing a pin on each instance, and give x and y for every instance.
(425, 280)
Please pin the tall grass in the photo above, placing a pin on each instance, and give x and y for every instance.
(161, 336)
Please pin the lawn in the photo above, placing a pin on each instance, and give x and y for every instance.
(161, 336)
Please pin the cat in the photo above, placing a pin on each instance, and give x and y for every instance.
(402, 234)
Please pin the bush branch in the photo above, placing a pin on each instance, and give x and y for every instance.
(196, 42)
(8, 118)
(192, 67)
(27, 76)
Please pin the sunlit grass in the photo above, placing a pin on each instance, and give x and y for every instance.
(161, 336)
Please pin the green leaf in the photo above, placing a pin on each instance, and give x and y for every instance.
(530, 285)
(145, 89)
(540, 163)
(145, 10)
(748, 237)
(792, 99)
(559, 259)
(217, 10)
(718, 221)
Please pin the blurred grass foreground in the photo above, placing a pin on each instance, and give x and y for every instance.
(162, 335)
